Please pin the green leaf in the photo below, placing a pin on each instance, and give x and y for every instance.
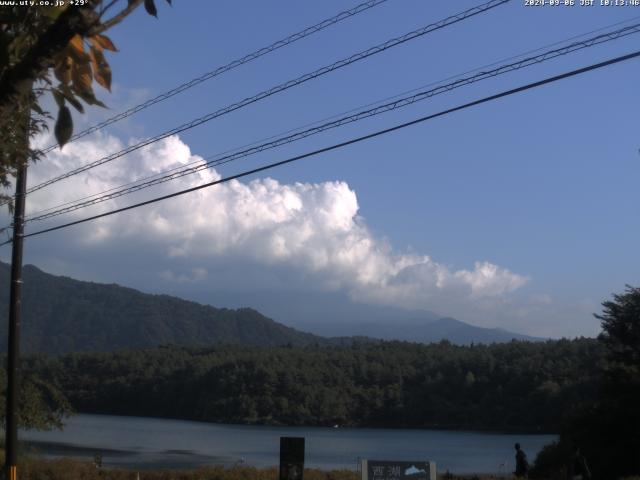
(53, 12)
(66, 92)
(64, 126)
(36, 108)
(4, 50)
(89, 97)
(58, 97)
(19, 46)
(150, 7)
(62, 67)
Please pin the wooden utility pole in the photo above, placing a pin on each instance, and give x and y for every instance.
(15, 307)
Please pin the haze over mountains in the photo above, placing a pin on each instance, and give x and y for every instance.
(61, 314)
(346, 318)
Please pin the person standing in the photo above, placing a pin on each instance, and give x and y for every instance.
(522, 466)
(578, 468)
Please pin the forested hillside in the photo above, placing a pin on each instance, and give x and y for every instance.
(61, 315)
(517, 385)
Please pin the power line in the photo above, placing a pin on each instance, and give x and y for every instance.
(317, 122)
(229, 66)
(284, 86)
(350, 142)
(416, 89)
(181, 171)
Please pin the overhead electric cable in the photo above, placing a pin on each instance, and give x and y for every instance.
(184, 170)
(229, 66)
(490, 98)
(612, 36)
(284, 86)
(317, 122)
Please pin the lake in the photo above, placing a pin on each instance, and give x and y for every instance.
(138, 442)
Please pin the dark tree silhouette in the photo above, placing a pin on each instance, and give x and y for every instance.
(56, 49)
(607, 428)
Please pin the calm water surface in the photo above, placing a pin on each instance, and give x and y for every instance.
(154, 443)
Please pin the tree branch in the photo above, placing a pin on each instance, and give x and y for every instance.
(103, 9)
(115, 19)
(19, 78)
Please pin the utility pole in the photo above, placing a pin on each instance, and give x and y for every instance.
(15, 307)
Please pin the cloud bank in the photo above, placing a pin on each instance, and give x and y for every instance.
(310, 228)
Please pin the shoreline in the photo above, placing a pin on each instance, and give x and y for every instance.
(149, 442)
(434, 428)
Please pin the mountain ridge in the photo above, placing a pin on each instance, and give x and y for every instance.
(56, 310)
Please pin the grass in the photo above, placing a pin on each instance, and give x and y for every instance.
(33, 468)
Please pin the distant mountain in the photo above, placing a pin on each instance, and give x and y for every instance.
(458, 332)
(65, 315)
(422, 330)
(62, 315)
(335, 315)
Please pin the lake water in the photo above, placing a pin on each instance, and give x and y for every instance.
(156, 443)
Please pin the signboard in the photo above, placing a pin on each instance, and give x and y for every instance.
(397, 470)
(291, 458)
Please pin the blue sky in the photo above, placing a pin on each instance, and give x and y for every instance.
(542, 185)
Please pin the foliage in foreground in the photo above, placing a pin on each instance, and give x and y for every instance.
(606, 428)
(42, 404)
(42, 50)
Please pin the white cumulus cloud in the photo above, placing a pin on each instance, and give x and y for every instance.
(312, 228)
